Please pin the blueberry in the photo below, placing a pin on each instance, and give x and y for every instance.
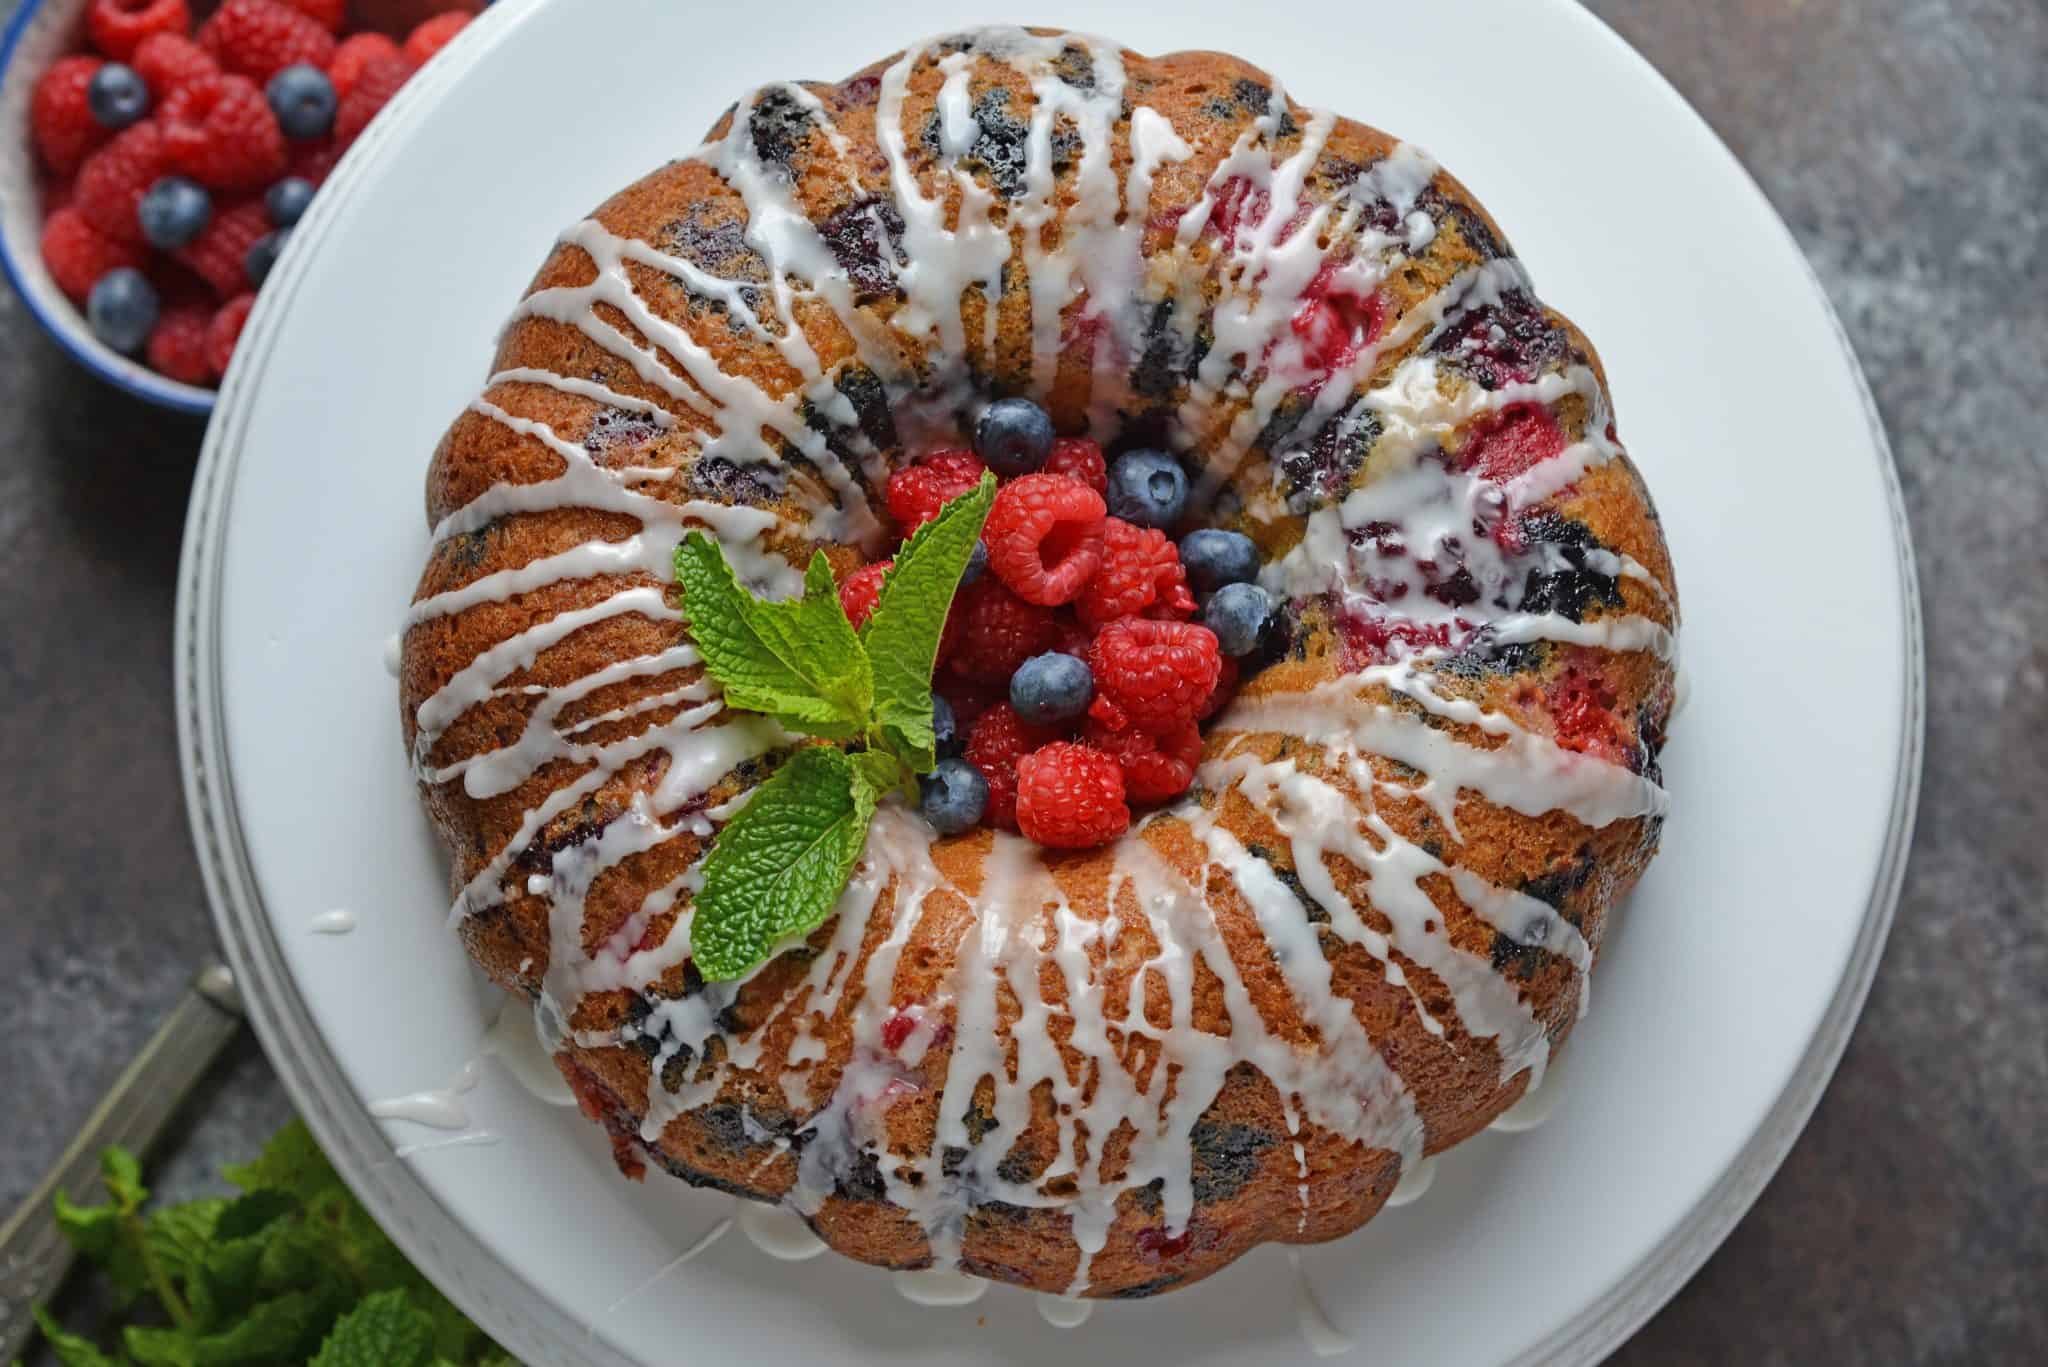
(174, 212)
(262, 255)
(303, 99)
(1237, 614)
(1213, 559)
(286, 201)
(1147, 488)
(977, 565)
(122, 309)
(945, 726)
(1013, 437)
(116, 96)
(1050, 688)
(953, 796)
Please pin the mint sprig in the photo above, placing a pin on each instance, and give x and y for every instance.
(777, 868)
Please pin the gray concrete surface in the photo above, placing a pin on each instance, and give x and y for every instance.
(1906, 141)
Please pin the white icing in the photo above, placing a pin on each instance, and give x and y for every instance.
(1064, 1312)
(779, 1232)
(337, 922)
(1323, 1337)
(515, 1042)
(1414, 1184)
(938, 1286)
(440, 1108)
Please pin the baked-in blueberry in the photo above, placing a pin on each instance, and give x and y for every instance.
(1214, 558)
(1013, 437)
(1051, 688)
(303, 99)
(945, 727)
(174, 211)
(953, 796)
(1148, 488)
(116, 96)
(287, 201)
(1237, 613)
(122, 309)
(262, 255)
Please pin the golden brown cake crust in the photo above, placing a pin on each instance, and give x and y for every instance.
(649, 413)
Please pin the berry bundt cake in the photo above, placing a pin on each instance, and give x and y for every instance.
(1290, 875)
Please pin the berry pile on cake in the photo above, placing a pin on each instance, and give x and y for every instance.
(177, 160)
(1078, 661)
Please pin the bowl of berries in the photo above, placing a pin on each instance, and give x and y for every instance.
(155, 155)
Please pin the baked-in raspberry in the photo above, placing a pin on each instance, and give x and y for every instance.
(1071, 797)
(259, 38)
(1153, 675)
(117, 27)
(166, 61)
(114, 179)
(917, 492)
(1582, 704)
(1334, 322)
(374, 86)
(1141, 575)
(178, 346)
(331, 15)
(435, 34)
(225, 330)
(1510, 442)
(60, 117)
(1156, 768)
(1079, 458)
(219, 255)
(1044, 537)
(861, 590)
(1225, 690)
(996, 631)
(997, 740)
(352, 54)
(78, 254)
(220, 131)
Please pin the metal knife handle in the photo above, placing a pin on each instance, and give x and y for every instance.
(34, 1255)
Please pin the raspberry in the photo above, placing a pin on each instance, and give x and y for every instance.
(1334, 324)
(78, 254)
(1141, 574)
(1510, 442)
(178, 346)
(218, 254)
(861, 590)
(374, 86)
(1156, 768)
(352, 55)
(114, 179)
(65, 130)
(997, 741)
(997, 631)
(166, 61)
(1071, 638)
(328, 14)
(1581, 706)
(917, 492)
(435, 34)
(220, 131)
(1153, 675)
(1071, 797)
(1079, 458)
(314, 161)
(1225, 690)
(225, 330)
(117, 27)
(1044, 537)
(259, 38)
(970, 700)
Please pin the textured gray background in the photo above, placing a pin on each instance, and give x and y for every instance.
(1906, 141)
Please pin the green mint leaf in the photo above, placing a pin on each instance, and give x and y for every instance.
(882, 773)
(386, 1330)
(902, 636)
(106, 1235)
(292, 1163)
(283, 1329)
(778, 867)
(176, 1241)
(797, 661)
(123, 1178)
(154, 1347)
(71, 1350)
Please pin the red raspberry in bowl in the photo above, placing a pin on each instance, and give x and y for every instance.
(998, 739)
(225, 330)
(219, 255)
(1153, 675)
(114, 179)
(1156, 768)
(1079, 458)
(331, 15)
(353, 55)
(373, 88)
(78, 254)
(1071, 797)
(996, 631)
(178, 346)
(1140, 575)
(861, 590)
(1044, 537)
(166, 61)
(60, 118)
(259, 38)
(117, 27)
(435, 34)
(220, 131)
(917, 492)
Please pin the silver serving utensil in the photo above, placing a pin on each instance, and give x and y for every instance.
(34, 1255)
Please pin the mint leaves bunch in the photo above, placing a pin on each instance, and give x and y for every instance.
(292, 1270)
(777, 868)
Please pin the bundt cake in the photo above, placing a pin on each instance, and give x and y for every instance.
(1362, 932)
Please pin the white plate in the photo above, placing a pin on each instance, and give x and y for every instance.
(1724, 1000)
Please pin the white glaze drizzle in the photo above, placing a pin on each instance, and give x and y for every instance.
(340, 921)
